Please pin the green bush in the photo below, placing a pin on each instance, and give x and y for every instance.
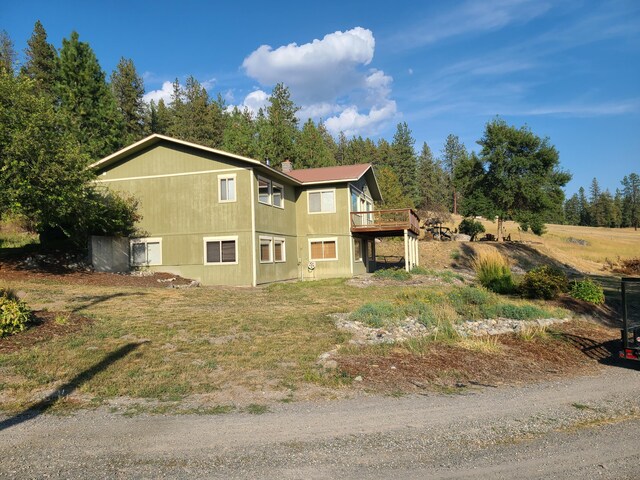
(377, 314)
(471, 227)
(493, 271)
(392, 274)
(14, 313)
(544, 282)
(515, 312)
(588, 291)
(446, 275)
(466, 301)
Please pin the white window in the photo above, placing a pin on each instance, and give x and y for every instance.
(264, 191)
(323, 249)
(279, 251)
(266, 250)
(146, 251)
(226, 188)
(322, 201)
(357, 249)
(220, 250)
(277, 195)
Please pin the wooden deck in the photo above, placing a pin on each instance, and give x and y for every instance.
(385, 222)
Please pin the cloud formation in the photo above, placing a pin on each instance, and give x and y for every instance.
(329, 79)
(163, 93)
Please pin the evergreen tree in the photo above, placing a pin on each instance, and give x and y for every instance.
(391, 189)
(403, 161)
(584, 208)
(282, 126)
(128, 90)
(572, 210)
(7, 53)
(218, 118)
(431, 182)
(311, 149)
(522, 180)
(453, 153)
(631, 202)
(618, 205)
(41, 60)
(329, 142)
(191, 114)
(384, 154)
(239, 136)
(596, 211)
(341, 149)
(86, 99)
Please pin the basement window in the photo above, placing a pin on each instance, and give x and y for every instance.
(220, 250)
(323, 249)
(279, 253)
(266, 255)
(146, 251)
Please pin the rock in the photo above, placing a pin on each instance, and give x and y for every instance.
(461, 237)
(357, 379)
(330, 364)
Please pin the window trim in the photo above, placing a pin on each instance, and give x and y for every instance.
(324, 239)
(275, 184)
(320, 191)
(145, 241)
(270, 240)
(284, 249)
(231, 176)
(205, 240)
(270, 187)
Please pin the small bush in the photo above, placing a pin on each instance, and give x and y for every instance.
(14, 313)
(588, 291)
(544, 282)
(465, 301)
(392, 274)
(515, 312)
(446, 275)
(493, 271)
(455, 255)
(471, 227)
(377, 314)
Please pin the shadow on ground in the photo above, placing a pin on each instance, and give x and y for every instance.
(65, 390)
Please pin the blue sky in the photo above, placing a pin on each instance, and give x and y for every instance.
(570, 70)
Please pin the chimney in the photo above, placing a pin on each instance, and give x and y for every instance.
(286, 166)
(267, 162)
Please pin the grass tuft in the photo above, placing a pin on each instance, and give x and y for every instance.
(493, 271)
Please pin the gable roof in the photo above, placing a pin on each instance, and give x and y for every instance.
(305, 176)
(157, 138)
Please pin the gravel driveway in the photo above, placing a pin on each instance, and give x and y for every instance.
(585, 427)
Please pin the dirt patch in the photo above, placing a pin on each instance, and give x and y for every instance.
(45, 326)
(569, 349)
(12, 270)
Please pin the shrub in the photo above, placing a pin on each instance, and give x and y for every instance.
(377, 314)
(446, 275)
(544, 282)
(493, 271)
(392, 274)
(515, 312)
(14, 313)
(471, 227)
(588, 291)
(466, 301)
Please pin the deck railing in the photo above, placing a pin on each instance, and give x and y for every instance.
(385, 221)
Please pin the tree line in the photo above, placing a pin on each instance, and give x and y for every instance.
(602, 209)
(61, 113)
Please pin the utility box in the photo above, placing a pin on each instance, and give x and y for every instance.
(109, 254)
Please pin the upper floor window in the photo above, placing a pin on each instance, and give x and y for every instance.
(277, 195)
(322, 201)
(227, 188)
(264, 191)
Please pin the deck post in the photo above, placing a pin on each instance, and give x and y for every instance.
(417, 252)
(406, 251)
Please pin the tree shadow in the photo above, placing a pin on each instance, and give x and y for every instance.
(92, 300)
(63, 391)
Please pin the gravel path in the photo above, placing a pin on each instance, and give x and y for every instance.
(584, 426)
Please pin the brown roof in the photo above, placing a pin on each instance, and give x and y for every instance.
(330, 174)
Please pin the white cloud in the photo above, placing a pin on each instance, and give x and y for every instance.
(163, 93)
(328, 77)
(255, 101)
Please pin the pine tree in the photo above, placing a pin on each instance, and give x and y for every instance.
(403, 161)
(218, 118)
(191, 114)
(431, 184)
(572, 210)
(282, 126)
(311, 149)
(128, 90)
(584, 208)
(453, 153)
(391, 189)
(631, 202)
(596, 212)
(239, 136)
(341, 149)
(86, 99)
(7, 53)
(41, 60)
(384, 154)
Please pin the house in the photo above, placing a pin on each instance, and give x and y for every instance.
(224, 219)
